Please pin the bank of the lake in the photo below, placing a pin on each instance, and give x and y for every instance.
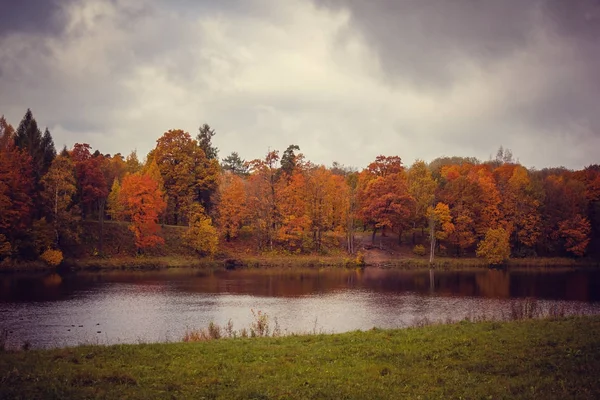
(547, 359)
(291, 261)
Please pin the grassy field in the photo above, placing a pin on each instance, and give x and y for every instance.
(530, 359)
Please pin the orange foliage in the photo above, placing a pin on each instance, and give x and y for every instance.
(233, 205)
(143, 201)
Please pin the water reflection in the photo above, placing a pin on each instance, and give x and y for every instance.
(113, 307)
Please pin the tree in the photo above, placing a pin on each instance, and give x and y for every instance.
(232, 207)
(91, 182)
(132, 163)
(115, 207)
(295, 224)
(495, 248)
(263, 199)
(39, 147)
(16, 190)
(235, 164)
(440, 225)
(201, 234)
(576, 233)
(421, 187)
(142, 202)
(204, 139)
(189, 176)
(59, 185)
(289, 160)
(385, 201)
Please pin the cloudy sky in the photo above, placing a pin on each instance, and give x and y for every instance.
(346, 80)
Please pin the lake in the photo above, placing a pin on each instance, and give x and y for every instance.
(57, 310)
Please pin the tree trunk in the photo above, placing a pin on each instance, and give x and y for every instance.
(432, 241)
(101, 203)
(373, 236)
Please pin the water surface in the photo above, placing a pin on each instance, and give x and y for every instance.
(52, 310)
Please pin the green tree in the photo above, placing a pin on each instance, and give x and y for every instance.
(289, 159)
(204, 139)
(235, 164)
(39, 147)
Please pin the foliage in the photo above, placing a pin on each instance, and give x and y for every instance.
(288, 204)
(204, 138)
(52, 257)
(233, 205)
(419, 250)
(59, 189)
(235, 164)
(495, 248)
(40, 148)
(383, 195)
(201, 235)
(421, 187)
(115, 207)
(91, 182)
(576, 233)
(188, 175)
(142, 202)
(16, 191)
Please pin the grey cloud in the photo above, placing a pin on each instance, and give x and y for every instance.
(530, 66)
(43, 16)
(552, 48)
(426, 41)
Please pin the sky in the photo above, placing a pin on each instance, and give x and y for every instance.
(346, 80)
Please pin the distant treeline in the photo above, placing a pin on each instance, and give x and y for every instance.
(496, 208)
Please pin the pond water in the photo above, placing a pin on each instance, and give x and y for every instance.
(54, 310)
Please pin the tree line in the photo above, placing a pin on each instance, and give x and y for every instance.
(496, 208)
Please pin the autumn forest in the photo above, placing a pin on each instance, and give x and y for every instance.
(496, 209)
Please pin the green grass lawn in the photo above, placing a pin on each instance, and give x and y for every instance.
(543, 359)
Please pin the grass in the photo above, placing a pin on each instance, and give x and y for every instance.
(545, 359)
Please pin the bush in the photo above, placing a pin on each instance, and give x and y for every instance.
(52, 257)
(495, 248)
(419, 250)
(360, 259)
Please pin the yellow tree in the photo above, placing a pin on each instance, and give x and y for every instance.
(115, 207)
(495, 247)
(440, 225)
(59, 185)
(421, 187)
(188, 175)
(201, 235)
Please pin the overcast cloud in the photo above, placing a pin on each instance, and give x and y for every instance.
(346, 80)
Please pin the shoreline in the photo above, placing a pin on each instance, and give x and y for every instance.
(553, 358)
(152, 263)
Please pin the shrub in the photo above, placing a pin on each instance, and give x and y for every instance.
(52, 257)
(360, 259)
(495, 248)
(419, 250)
(202, 236)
